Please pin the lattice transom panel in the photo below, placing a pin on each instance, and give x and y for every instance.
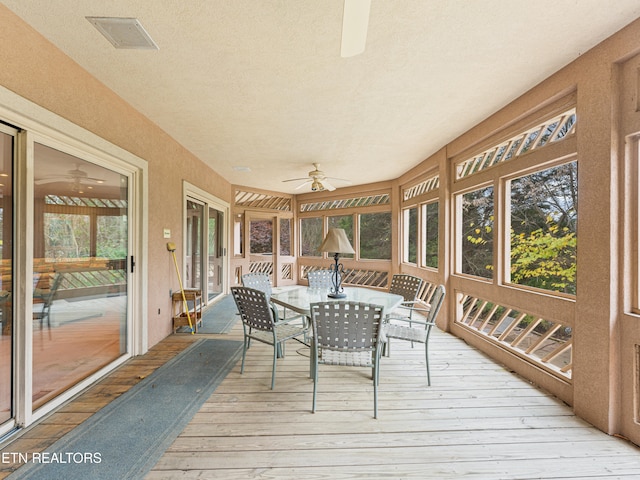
(551, 130)
(421, 188)
(262, 200)
(382, 199)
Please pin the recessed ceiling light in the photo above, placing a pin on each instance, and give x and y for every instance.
(124, 32)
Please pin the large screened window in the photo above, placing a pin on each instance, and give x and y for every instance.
(311, 237)
(410, 235)
(543, 229)
(516, 224)
(366, 220)
(346, 223)
(420, 219)
(375, 236)
(477, 233)
(430, 244)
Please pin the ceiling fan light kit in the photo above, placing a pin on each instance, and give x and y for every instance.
(74, 176)
(317, 180)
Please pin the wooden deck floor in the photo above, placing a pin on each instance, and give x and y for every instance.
(476, 421)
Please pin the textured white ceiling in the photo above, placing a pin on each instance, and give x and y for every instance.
(260, 83)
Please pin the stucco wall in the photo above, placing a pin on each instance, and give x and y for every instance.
(595, 388)
(37, 71)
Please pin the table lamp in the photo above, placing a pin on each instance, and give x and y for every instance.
(336, 242)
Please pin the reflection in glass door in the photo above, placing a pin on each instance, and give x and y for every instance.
(193, 259)
(6, 276)
(215, 253)
(205, 247)
(80, 252)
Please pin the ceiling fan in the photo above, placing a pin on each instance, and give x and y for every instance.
(318, 180)
(75, 176)
(355, 21)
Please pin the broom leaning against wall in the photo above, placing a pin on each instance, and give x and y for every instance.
(172, 248)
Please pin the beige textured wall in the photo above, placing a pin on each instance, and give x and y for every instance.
(36, 70)
(595, 393)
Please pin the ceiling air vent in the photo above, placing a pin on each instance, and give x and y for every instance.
(124, 32)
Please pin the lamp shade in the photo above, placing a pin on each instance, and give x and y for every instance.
(336, 241)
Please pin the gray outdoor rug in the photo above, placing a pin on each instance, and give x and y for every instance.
(126, 438)
(220, 317)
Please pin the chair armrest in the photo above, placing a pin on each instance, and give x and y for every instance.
(424, 306)
(284, 321)
(418, 322)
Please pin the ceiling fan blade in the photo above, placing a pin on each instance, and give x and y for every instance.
(355, 21)
(328, 186)
(343, 180)
(296, 179)
(44, 181)
(303, 184)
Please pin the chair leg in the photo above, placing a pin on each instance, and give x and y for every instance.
(312, 361)
(315, 383)
(426, 357)
(273, 371)
(410, 323)
(375, 396)
(244, 353)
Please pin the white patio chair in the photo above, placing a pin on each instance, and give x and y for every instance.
(408, 286)
(260, 322)
(419, 333)
(346, 334)
(259, 281)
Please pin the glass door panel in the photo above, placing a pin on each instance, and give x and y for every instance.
(215, 271)
(6, 277)
(195, 214)
(80, 252)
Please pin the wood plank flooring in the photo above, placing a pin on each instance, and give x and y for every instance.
(476, 421)
(41, 435)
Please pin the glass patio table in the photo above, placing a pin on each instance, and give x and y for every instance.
(299, 299)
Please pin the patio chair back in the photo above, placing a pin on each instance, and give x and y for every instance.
(346, 334)
(254, 308)
(259, 281)
(320, 279)
(260, 323)
(406, 285)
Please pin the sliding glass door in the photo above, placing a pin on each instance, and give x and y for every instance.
(215, 253)
(205, 241)
(80, 252)
(7, 142)
(193, 252)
